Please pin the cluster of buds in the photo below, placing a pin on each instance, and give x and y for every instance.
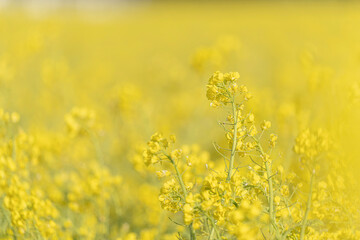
(156, 146)
(222, 88)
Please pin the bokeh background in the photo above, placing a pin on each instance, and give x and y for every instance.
(126, 69)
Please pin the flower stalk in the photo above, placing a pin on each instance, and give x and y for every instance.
(183, 188)
(234, 144)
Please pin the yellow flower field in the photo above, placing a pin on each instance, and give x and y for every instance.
(181, 120)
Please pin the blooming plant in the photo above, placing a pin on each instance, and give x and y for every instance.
(263, 202)
(275, 156)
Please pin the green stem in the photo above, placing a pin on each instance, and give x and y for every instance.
(271, 198)
(308, 206)
(211, 236)
(214, 228)
(233, 149)
(178, 175)
(183, 188)
(192, 232)
(272, 223)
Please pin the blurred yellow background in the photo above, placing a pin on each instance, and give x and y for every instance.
(130, 69)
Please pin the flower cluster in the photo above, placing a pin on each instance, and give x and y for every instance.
(36, 185)
(312, 144)
(222, 88)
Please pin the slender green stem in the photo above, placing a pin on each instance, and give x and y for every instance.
(233, 149)
(211, 236)
(272, 223)
(178, 175)
(183, 188)
(192, 232)
(271, 198)
(308, 206)
(214, 229)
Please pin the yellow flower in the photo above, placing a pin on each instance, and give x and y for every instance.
(265, 125)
